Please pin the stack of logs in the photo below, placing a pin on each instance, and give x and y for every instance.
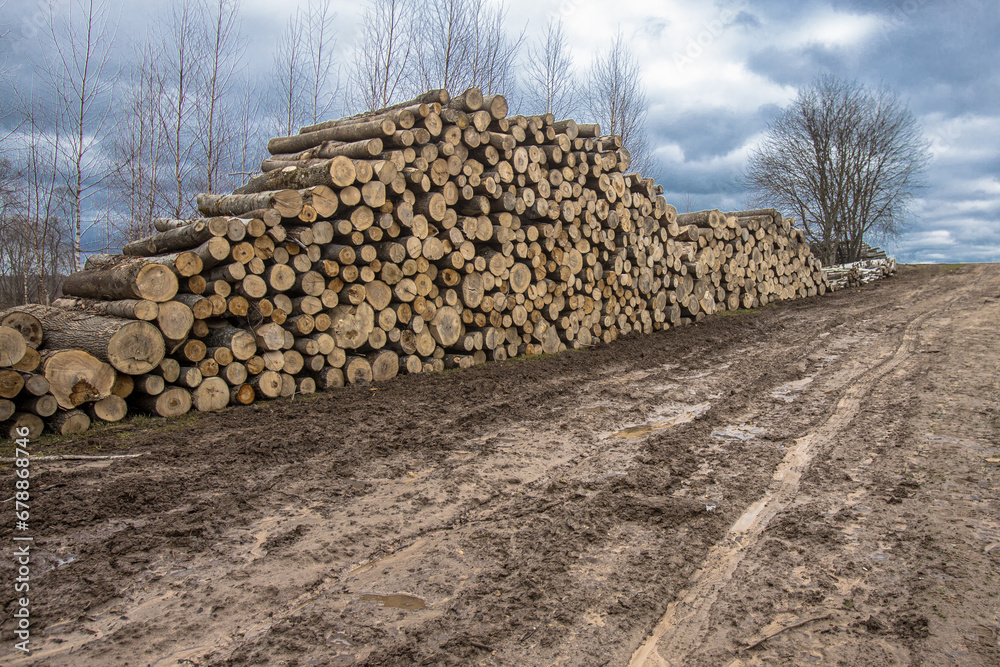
(433, 234)
(872, 264)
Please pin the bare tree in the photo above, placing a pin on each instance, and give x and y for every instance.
(548, 73)
(222, 49)
(179, 74)
(249, 136)
(617, 99)
(382, 53)
(304, 70)
(81, 80)
(465, 43)
(495, 52)
(318, 35)
(36, 240)
(137, 148)
(444, 27)
(845, 159)
(288, 76)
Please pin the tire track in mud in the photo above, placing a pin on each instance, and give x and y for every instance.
(682, 628)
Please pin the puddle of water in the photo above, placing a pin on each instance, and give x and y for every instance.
(785, 391)
(688, 415)
(741, 433)
(339, 638)
(407, 602)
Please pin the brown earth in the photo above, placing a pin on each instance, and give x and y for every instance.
(812, 483)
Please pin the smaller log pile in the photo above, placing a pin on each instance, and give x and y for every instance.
(873, 265)
(433, 234)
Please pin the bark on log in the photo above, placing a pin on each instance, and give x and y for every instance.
(288, 203)
(134, 280)
(132, 309)
(69, 422)
(130, 346)
(337, 172)
(354, 132)
(43, 406)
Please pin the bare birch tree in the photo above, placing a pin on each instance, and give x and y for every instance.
(80, 75)
(617, 99)
(548, 73)
(221, 51)
(382, 53)
(289, 81)
(247, 130)
(846, 160)
(304, 71)
(465, 43)
(444, 28)
(494, 52)
(36, 240)
(179, 72)
(322, 81)
(137, 148)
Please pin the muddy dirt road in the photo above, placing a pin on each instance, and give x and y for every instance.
(813, 483)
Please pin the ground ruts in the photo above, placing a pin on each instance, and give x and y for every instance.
(573, 510)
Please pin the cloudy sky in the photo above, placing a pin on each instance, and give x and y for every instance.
(716, 73)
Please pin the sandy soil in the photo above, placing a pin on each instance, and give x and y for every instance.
(812, 483)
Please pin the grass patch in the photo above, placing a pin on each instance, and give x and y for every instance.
(51, 444)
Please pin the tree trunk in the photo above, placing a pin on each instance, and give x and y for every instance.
(288, 203)
(134, 280)
(174, 402)
(29, 327)
(130, 346)
(69, 422)
(76, 377)
(12, 346)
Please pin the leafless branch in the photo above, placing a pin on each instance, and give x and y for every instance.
(382, 53)
(617, 99)
(846, 160)
(548, 73)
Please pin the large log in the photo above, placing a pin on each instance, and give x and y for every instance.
(179, 238)
(133, 309)
(12, 347)
(76, 377)
(29, 327)
(286, 202)
(354, 132)
(130, 346)
(338, 172)
(133, 280)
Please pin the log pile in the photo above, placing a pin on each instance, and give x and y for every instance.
(873, 264)
(433, 234)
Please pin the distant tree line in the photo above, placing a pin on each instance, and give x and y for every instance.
(101, 144)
